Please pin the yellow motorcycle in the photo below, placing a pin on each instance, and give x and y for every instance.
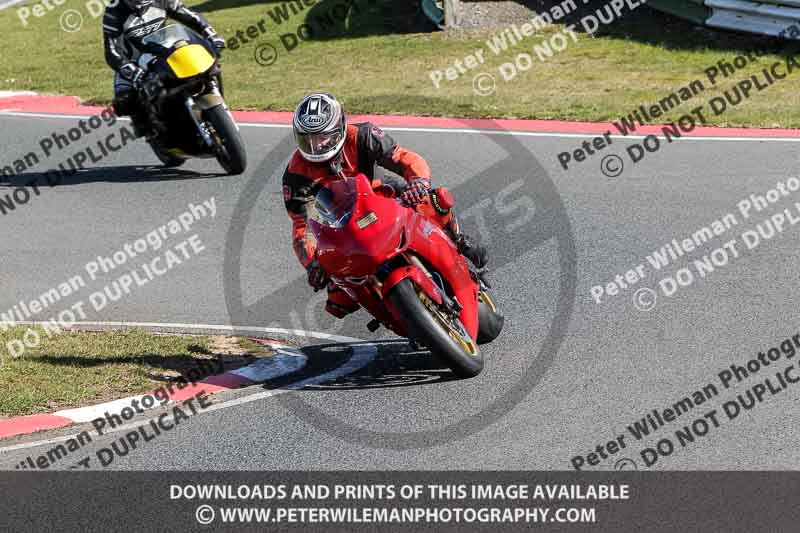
(183, 95)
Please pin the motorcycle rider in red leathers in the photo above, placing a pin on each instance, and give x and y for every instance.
(328, 146)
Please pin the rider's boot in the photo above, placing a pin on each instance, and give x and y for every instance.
(472, 250)
(442, 203)
(477, 254)
(339, 303)
(126, 104)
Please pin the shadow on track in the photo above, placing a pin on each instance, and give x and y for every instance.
(120, 174)
(395, 365)
(328, 366)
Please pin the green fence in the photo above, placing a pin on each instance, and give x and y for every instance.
(765, 17)
(443, 13)
(434, 10)
(693, 10)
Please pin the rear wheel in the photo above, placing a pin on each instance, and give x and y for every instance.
(443, 334)
(231, 153)
(490, 321)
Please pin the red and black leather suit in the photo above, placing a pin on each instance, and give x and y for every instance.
(365, 146)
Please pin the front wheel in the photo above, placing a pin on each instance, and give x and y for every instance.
(230, 147)
(169, 160)
(444, 335)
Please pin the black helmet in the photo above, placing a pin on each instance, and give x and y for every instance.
(319, 127)
(138, 6)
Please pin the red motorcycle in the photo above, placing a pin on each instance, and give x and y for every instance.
(404, 269)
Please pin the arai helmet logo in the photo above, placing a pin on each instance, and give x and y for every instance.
(313, 121)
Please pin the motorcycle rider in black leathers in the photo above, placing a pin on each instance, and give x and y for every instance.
(125, 24)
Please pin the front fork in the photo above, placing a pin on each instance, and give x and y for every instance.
(450, 303)
(196, 106)
(202, 127)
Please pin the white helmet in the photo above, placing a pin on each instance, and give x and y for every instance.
(320, 127)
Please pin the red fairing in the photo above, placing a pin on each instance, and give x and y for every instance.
(358, 231)
(439, 251)
(370, 237)
(419, 277)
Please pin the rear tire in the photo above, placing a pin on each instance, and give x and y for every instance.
(490, 321)
(424, 327)
(233, 156)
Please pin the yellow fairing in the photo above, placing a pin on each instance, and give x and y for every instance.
(189, 61)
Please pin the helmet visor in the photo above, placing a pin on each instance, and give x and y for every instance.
(319, 145)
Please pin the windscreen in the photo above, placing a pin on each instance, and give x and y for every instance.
(168, 36)
(335, 202)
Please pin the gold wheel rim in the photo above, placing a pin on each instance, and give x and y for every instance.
(485, 298)
(462, 338)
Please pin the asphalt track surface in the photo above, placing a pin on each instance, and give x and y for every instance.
(567, 373)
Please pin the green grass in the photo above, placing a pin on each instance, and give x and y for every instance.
(380, 63)
(74, 369)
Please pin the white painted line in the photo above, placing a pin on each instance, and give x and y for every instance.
(593, 135)
(11, 94)
(264, 125)
(545, 134)
(470, 131)
(50, 115)
(87, 414)
(363, 354)
(218, 327)
(283, 363)
(40, 443)
(275, 345)
(287, 360)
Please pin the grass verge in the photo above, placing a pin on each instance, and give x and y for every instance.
(74, 369)
(379, 59)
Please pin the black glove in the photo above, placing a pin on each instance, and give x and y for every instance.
(215, 38)
(133, 73)
(151, 85)
(317, 277)
(416, 191)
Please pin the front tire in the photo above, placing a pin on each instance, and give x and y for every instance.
(168, 160)
(231, 155)
(455, 348)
